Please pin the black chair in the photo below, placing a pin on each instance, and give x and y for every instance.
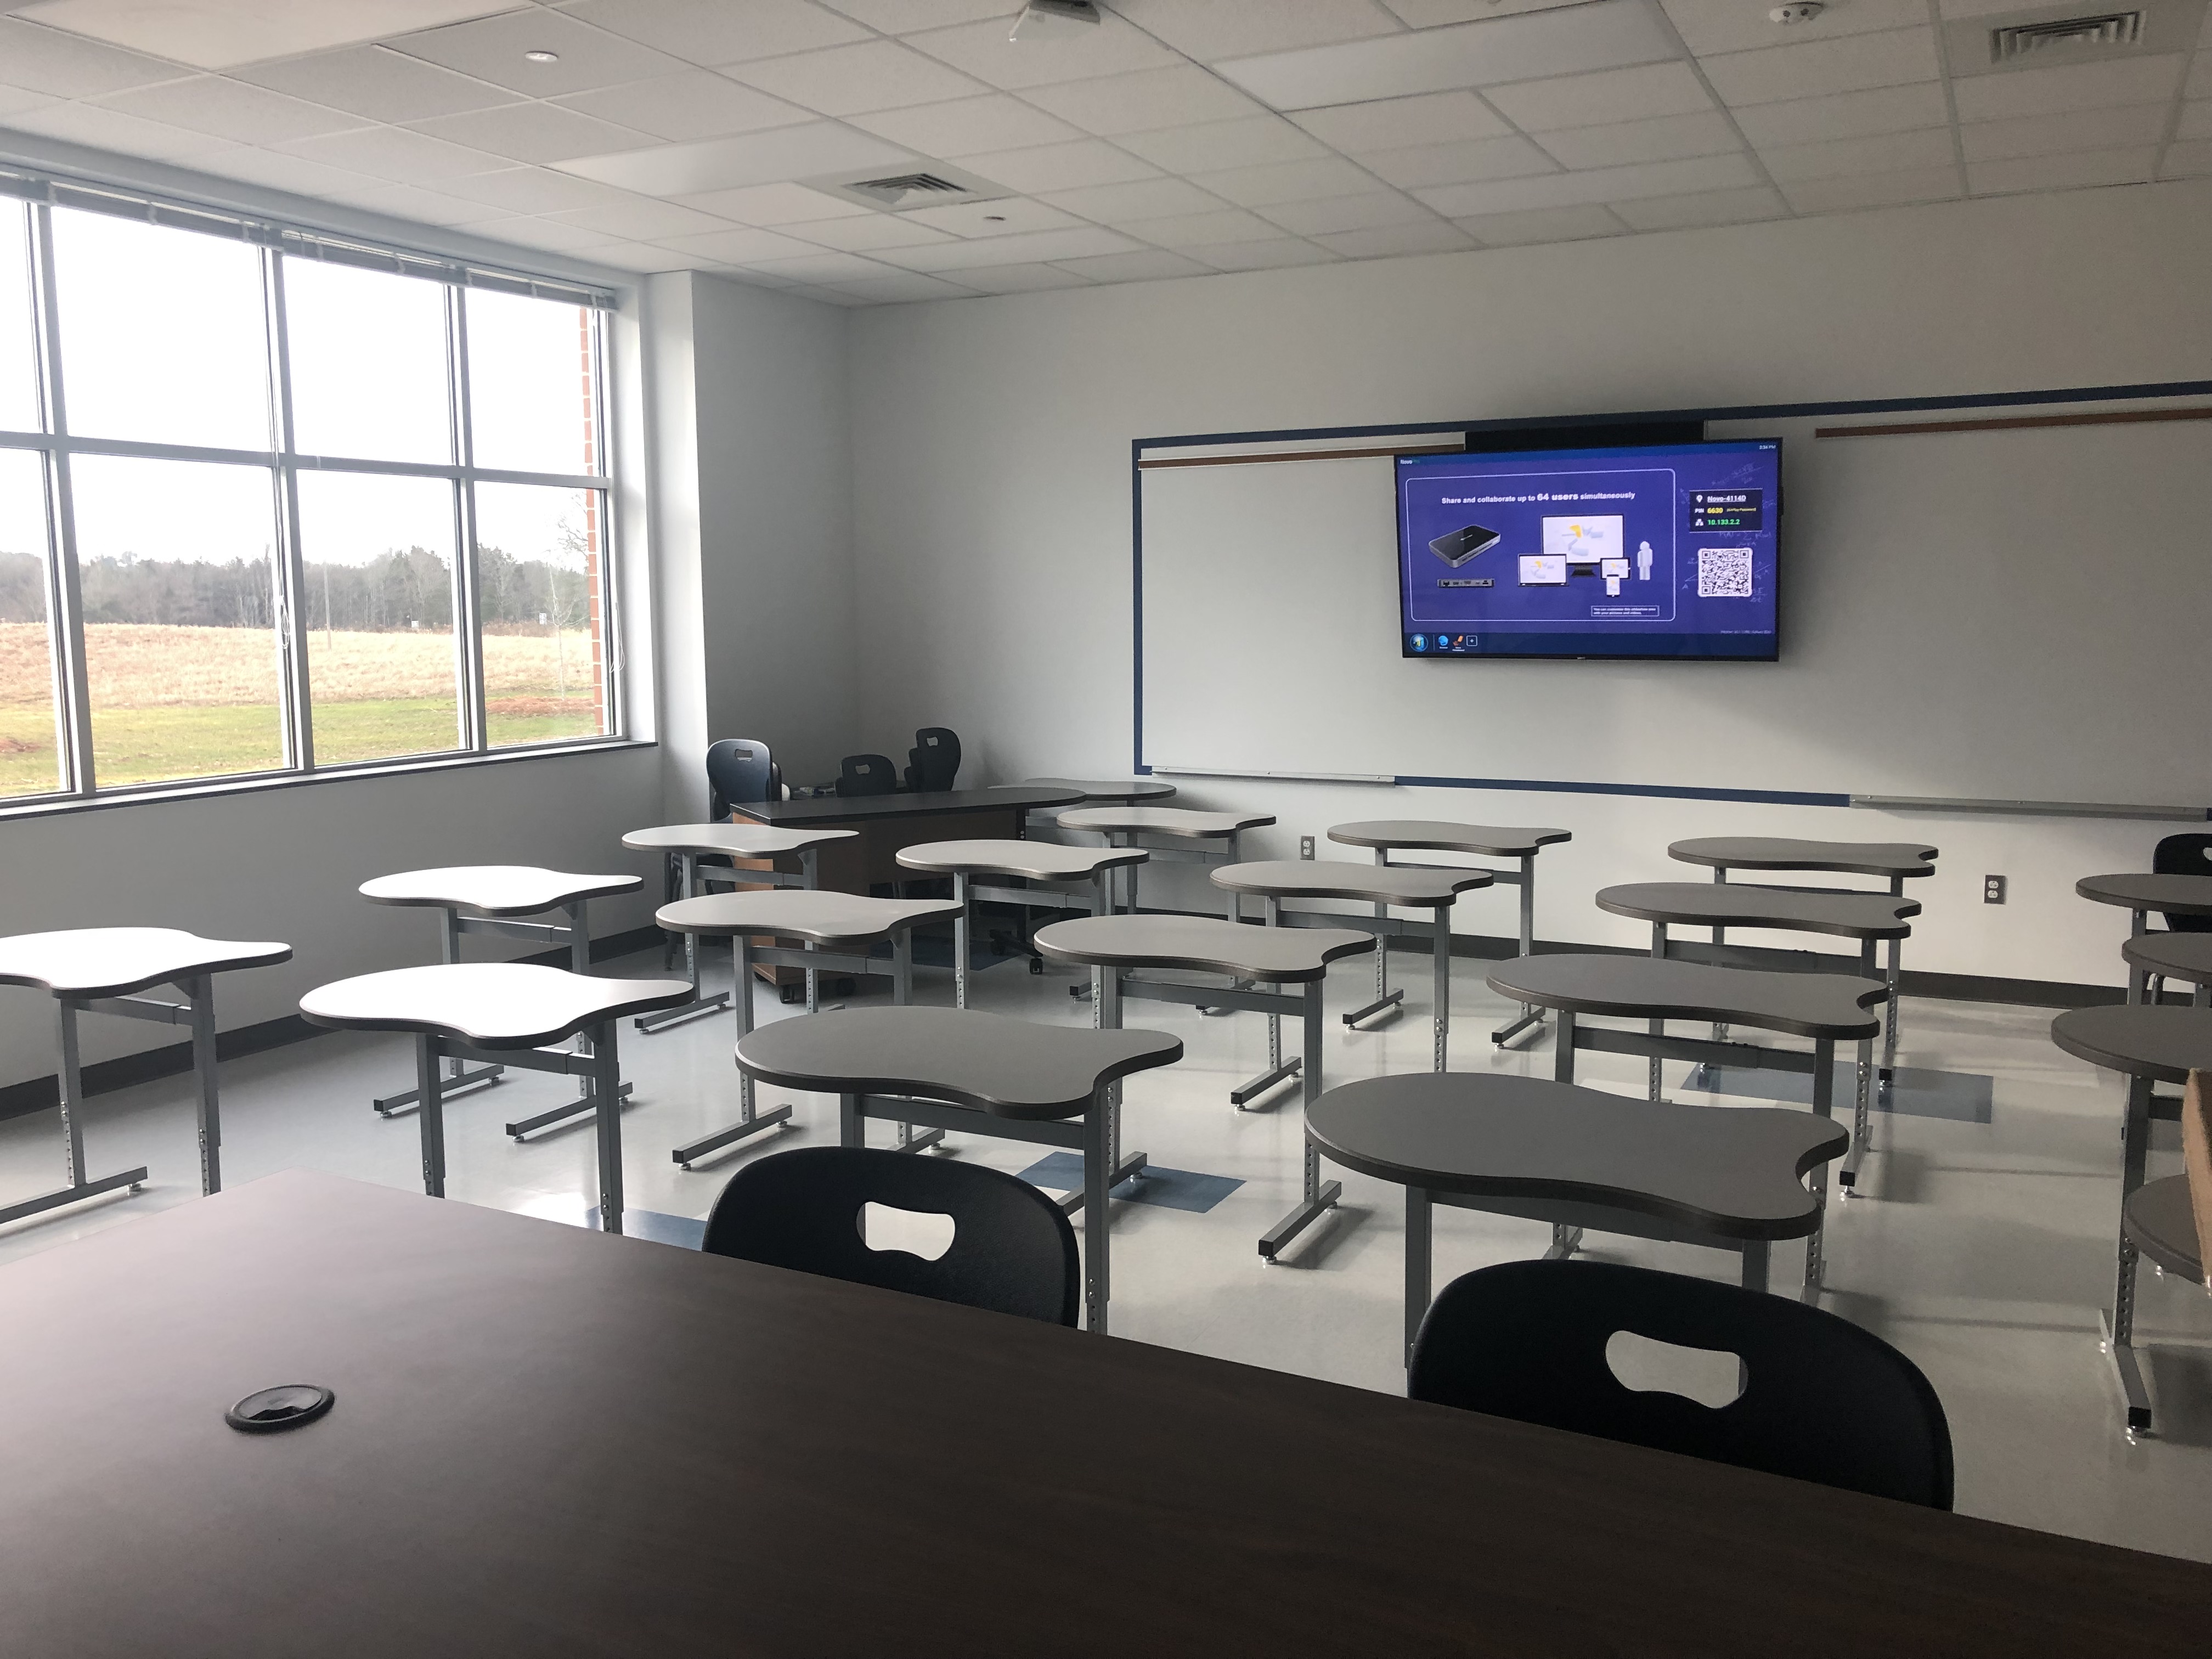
(740, 770)
(1822, 1398)
(867, 774)
(1012, 1250)
(934, 763)
(2185, 855)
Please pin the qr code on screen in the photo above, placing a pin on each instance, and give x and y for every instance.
(1723, 572)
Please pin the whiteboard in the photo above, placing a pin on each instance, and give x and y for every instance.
(1991, 615)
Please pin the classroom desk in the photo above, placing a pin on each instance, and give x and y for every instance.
(2139, 895)
(515, 1465)
(1129, 792)
(884, 824)
(2184, 956)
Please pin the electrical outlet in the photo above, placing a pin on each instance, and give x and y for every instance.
(1306, 846)
(1993, 890)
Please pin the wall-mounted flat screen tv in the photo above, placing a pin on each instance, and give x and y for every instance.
(1660, 550)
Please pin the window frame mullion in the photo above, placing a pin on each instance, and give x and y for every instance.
(65, 588)
(287, 572)
(468, 597)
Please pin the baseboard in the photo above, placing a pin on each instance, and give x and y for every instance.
(40, 1094)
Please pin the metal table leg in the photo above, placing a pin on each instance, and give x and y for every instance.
(1657, 1027)
(960, 925)
(1106, 1016)
(1097, 1158)
(1847, 1178)
(606, 1094)
(2117, 1324)
(1440, 948)
(1531, 1016)
(460, 1079)
(1824, 1100)
(70, 1080)
(1388, 1003)
(199, 995)
(901, 996)
(749, 1122)
(1317, 1197)
(1279, 1069)
(700, 1004)
(1420, 1210)
(580, 961)
(431, 1118)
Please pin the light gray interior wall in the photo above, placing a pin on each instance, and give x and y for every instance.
(991, 467)
(671, 461)
(775, 523)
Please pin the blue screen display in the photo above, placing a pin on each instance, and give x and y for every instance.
(1658, 551)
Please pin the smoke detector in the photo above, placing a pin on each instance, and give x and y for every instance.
(1798, 11)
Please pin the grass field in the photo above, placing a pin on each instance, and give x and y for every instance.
(196, 703)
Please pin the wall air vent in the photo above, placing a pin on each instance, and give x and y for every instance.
(924, 184)
(2066, 35)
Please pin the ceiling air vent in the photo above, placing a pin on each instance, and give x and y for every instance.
(892, 192)
(923, 183)
(2065, 35)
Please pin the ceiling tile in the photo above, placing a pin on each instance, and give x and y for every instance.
(1274, 255)
(1180, 95)
(2191, 160)
(1601, 100)
(1334, 215)
(2199, 83)
(1009, 216)
(1452, 164)
(1203, 229)
(221, 34)
(41, 59)
(907, 17)
(2068, 87)
(1434, 14)
(532, 132)
(1876, 190)
(1609, 185)
(1719, 207)
(230, 109)
(2078, 170)
(713, 31)
(1603, 35)
(1887, 152)
(1433, 117)
(1057, 166)
(644, 220)
(1224, 144)
(493, 49)
(530, 190)
(1390, 241)
(2196, 120)
(875, 75)
(1562, 224)
(1147, 265)
(815, 266)
(396, 153)
(1235, 28)
(870, 230)
(1141, 198)
(753, 158)
(110, 129)
(2050, 134)
(1287, 181)
(1850, 63)
(694, 103)
(641, 257)
(15, 100)
(278, 171)
(903, 287)
(826, 295)
(1111, 47)
(548, 234)
(1712, 26)
(963, 126)
(429, 207)
(1846, 115)
(1019, 279)
(752, 247)
(384, 86)
(773, 204)
(1666, 138)
(1036, 246)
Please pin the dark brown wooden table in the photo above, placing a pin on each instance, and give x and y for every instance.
(550, 1442)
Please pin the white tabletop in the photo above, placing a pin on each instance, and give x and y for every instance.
(1163, 821)
(794, 913)
(494, 890)
(748, 840)
(110, 962)
(496, 1004)
(1041, 860)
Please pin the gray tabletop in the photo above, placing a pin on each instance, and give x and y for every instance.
(1128, 791)
(1735, 1172)
(1378, 884)
(493, 1005)
(1039, 860)
(494, 890)
(825, 917)
(2158, 1217)
(2186, 956)
(113, 962)
(1010, 1067)
(2163, 1043)
(1644, 988)
(2184, 896)
(1858, 858)
(1436, 835)
(748, 840)
(1176, 821)
(854, 809)
(1852, 915)
(1280, 956)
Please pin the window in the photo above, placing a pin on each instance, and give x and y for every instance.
(240, 467)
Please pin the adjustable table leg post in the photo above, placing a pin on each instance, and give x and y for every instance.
(1895, 976)
(71, 1080)
(1097, 1158)
(1388, 1003)
(2119, 1324)
(749, 1122)
(606, 1075)
(1563, 1049)
(960, 925)
(1440, 944)
(459, 1078)
(700, 1004)
(1531, 1017)
(199, 993)
(1847, 1177)
(430, 1113)
(1824, 1099)
(902, 996)
(1315, 1197)
(1419, 1248)
(1657, 1027)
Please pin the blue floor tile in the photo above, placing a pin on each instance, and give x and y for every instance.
(1955, 1097)
(1172, 1190)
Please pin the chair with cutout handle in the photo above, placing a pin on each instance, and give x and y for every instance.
(867, 774)
(934, 763)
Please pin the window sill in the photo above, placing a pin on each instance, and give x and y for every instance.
(52, 805)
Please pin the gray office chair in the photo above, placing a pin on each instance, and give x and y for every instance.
(934, 763)
(867, 774)
(740, 770)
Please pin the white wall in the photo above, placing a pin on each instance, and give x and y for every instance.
(991, 467)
